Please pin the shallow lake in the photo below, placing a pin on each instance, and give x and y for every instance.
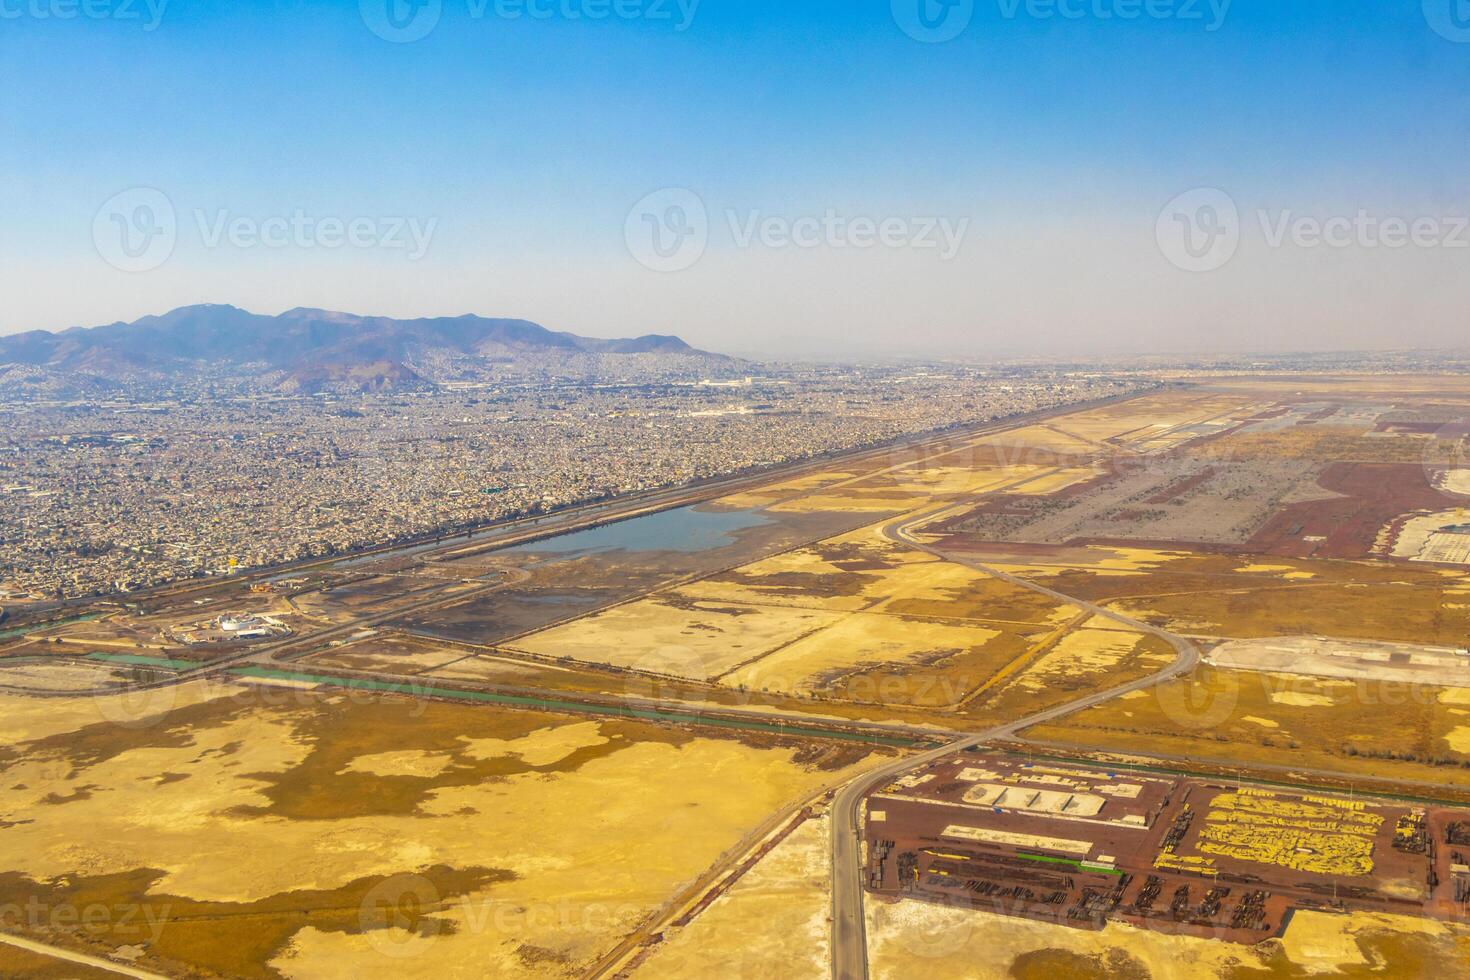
(684, 529)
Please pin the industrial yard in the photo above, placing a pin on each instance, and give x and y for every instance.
(1080, 847)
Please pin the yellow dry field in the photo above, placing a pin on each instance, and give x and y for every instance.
(1224, 596)
(387, 654)
(1154, 423)
(289, 834)
(1329, 443)
(1364, 729)
(911, 939)
(1096, 657)
(854, 618)
(771, 924)
(1056, 481)
(670, 635)
(1081, 653)
(916, 484)
(845, 573)
(1100, 560)
(500, 670)
(881, 659)
(863, 570)
(1048, 438)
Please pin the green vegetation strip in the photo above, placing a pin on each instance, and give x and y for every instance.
(1095, 869)
(420, 690)
(133, 660)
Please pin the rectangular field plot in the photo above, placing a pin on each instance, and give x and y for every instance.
(389, 653)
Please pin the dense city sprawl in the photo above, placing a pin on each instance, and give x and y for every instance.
(106, 496)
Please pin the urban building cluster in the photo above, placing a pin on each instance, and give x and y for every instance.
(111, 496)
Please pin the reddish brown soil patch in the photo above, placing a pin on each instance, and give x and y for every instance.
(1180, 488)
(1374, 494)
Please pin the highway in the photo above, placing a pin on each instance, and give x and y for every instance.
(849, 928)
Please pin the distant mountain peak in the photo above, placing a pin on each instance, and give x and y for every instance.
(315, 347)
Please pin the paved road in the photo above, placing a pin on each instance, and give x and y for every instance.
(849, 930)
(69, 956)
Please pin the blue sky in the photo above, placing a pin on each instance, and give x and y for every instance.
(1058, 139)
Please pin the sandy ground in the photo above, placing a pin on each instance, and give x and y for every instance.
(860, 640)
(772, 925)
(1421, 539)
(664, 635)
(1079, 653)
(588, 827)
(962, 472)
(912, 939)
(24, 719)
(1312, 656)
(1455, 481)
(387, 653)
(62, 677)
(1380, 731)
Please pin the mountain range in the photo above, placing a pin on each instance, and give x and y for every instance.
(307, 349)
